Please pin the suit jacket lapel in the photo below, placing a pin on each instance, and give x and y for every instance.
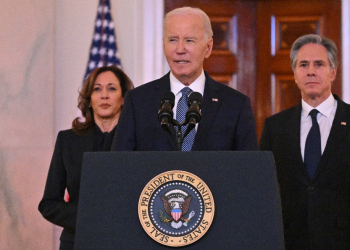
(79, 145)
(88, 142)
(211, 102)
(337, 143)
(294, 137)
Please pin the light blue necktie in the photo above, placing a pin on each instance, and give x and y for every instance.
(181, 110)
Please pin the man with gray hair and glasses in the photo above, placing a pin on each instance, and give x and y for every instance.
(311, 146)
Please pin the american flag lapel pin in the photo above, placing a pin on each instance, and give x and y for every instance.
(215, 99)
(343, 123)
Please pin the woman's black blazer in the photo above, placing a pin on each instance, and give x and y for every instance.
(64, 172)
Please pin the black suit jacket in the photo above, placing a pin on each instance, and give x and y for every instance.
(227, 120)
(65, 171)
(316, 213)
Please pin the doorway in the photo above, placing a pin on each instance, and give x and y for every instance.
(252, 40)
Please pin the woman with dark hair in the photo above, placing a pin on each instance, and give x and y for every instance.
(100, 101)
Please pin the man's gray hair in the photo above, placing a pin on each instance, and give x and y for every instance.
(191, 11)
(316, 39)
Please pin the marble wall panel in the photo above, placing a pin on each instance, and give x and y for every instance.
(27, 120)
(22, 181)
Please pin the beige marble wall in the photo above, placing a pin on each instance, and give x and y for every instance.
(26, 120)
(44, 47)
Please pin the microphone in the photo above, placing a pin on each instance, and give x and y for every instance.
(193, 114)
(165, 114)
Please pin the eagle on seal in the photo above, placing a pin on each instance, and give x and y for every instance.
(176, 203)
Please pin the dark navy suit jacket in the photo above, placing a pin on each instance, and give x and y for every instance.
(316, 213)
(227, 120)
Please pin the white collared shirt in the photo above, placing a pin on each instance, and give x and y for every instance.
(325, 119)
(176, 86)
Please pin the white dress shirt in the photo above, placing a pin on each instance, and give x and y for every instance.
(176, 86)
(325, 119)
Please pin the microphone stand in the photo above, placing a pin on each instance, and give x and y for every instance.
(179, 138)
(193, 116)
(178, 134)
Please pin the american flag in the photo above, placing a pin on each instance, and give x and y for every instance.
(103, 50)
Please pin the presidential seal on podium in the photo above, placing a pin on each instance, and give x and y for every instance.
(176, 208)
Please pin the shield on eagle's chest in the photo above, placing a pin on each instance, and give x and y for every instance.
(176, 213)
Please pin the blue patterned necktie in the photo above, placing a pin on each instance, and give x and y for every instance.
(181, 110)
(312, 153)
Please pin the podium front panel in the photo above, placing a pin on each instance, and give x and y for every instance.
(243, 184)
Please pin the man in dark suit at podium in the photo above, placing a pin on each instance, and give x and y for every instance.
(311, 146)
(227, 121)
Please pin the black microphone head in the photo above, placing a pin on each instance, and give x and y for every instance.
(195, 96)
(169, 97)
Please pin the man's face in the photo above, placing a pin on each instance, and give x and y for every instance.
(185, 46)
(313, 73)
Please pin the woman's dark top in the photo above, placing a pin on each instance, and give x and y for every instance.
(103, 140)
(64, 173)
